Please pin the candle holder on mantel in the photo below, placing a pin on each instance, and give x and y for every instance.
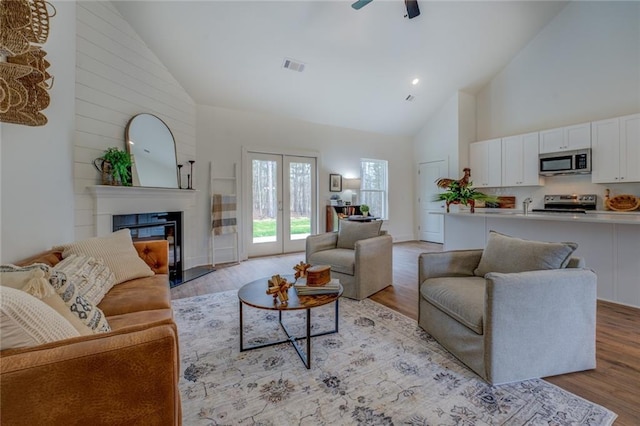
(190, 176)
(180, 176)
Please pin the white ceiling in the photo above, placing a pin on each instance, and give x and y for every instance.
(359, 64)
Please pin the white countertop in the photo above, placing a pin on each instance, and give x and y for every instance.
(598, 216)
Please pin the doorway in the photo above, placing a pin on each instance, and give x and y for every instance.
(431, 217)
(282, 202)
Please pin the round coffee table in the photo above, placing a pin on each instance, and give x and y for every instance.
(254, 294)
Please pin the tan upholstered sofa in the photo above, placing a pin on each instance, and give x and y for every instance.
(126, 376)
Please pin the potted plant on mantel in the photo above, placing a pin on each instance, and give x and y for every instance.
(459, 193)
(115, 166)
(364, 209)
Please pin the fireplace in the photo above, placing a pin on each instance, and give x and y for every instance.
(141, 203)
(157, 226)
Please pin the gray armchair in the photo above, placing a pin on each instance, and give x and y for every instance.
(533, 319)
(360, 256)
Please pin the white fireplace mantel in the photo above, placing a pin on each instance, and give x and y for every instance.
(115, 200)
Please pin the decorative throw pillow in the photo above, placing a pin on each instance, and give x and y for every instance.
(26, 321)
(89, 314)
(350, 232)
(33, 279)
(117, 252)
(91, 276)
(508, 254)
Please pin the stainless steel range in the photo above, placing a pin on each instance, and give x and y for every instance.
(568, 203)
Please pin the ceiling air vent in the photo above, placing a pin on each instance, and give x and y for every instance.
(293, 65)
(409, 98)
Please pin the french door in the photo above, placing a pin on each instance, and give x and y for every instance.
(282, 202)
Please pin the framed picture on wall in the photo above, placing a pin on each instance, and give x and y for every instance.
(335, 183)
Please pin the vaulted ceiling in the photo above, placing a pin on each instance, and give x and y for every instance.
(359, 64)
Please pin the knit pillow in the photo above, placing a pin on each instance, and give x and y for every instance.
(91, 276)
(26, 321)
(350, 232)
(508, 254)
(56, 282)
(34, 280)
(117, 252)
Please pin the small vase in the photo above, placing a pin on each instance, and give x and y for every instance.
(451, 202)
(472, 205)
(106, 171)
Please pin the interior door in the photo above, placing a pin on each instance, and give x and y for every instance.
(283, 203)
(431, 224)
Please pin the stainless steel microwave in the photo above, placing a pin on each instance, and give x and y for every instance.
(566, 163)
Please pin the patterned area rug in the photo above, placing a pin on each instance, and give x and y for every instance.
(380, 369)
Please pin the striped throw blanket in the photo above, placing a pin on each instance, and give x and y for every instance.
(223, 214)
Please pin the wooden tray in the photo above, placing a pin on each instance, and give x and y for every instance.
(504, 202)
(623, 203)
(507, 202)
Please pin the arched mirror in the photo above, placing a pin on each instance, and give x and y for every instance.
(153, 152)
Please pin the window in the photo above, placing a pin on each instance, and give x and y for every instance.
(374, 186)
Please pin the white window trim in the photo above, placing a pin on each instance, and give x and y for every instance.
(385, 192)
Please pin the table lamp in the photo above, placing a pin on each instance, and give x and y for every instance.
(352, 185)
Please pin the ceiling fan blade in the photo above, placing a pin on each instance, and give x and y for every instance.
(360, 3)
(412, 8)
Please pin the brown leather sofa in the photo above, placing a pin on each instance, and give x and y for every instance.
(128, 376)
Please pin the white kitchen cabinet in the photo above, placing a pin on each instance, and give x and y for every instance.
(479, 163)
(485, 158)
(605, 151)
(615, 154)
(551, 140)
(630, 148)
(566, 138)
(520, 160)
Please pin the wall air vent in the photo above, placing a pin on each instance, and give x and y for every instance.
(293, 65)
(409, 98)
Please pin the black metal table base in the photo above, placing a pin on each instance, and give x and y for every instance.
(304, 356)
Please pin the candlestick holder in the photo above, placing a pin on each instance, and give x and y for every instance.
(180, 176)
(191, 174)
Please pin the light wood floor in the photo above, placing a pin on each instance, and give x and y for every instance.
(614, 384)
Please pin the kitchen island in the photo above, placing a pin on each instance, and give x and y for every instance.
(608, 241)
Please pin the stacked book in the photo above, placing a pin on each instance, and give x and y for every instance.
(303, 289)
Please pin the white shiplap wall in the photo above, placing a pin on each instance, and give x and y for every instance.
(117, 77)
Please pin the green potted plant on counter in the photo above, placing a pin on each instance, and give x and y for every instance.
(458, 193)
(115, 166)
(364, 209)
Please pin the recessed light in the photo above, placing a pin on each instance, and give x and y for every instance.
(415, 81)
